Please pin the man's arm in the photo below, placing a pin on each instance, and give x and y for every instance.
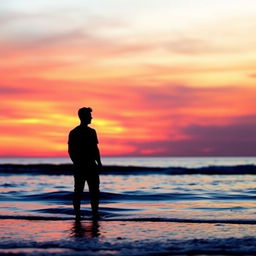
(71, 152)
(97, 151)
(72, 148)
(97, 156)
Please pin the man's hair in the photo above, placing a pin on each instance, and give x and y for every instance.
(84, 113)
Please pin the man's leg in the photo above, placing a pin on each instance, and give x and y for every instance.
(78, 190)
(93, 185)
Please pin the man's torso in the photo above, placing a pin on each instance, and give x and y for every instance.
(82, 145)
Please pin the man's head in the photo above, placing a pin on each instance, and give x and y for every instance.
(85, 115)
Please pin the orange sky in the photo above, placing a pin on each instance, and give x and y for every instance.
(164, 78)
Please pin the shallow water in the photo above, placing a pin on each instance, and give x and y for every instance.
(196, 197)
(42, 237)
(143, 214)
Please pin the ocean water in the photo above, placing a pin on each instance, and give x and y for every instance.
(153, 212)
(192, 162)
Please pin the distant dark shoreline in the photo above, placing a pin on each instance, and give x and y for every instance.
(67, 169)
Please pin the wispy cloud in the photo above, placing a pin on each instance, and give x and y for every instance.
(6, 90)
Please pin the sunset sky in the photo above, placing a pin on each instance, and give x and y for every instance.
(164, 77)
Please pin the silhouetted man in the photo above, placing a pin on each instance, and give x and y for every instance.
(84, 153)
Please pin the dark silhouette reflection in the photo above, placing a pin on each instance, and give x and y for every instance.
(84, 153)
(87, 229)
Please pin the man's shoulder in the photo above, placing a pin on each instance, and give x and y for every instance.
(74, 130)
(82, 129)
(91, 129)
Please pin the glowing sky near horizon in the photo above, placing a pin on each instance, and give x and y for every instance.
(164, 78)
